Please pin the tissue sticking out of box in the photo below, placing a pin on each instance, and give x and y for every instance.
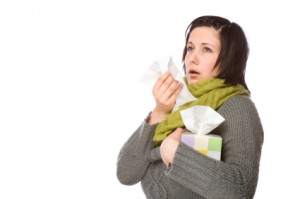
(201, 119)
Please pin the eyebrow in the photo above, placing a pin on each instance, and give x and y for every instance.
(204, 44)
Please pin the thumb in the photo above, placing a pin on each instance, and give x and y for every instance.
(177, 133)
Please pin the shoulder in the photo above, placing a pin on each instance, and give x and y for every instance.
(237, 105)
(241, 114)
(240, 111)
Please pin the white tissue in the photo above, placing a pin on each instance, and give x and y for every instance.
(201, 119)
(155, 70)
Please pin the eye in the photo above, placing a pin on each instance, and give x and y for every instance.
(189, 48)
(206, 49)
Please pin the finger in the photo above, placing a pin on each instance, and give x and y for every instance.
(167, 83)
(179, 130)
(165, 96)
(174, 95)
(161, 80)
(169, 96)
(173, 87)
(177, 133)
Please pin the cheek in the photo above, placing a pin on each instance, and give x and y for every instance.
(214, 72)
(185, 59)
(211, 69)
(210, 72)
(186, 64)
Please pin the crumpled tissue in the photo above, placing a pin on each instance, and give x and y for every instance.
(200, 121)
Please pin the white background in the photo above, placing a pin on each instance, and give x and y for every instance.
(70, 94)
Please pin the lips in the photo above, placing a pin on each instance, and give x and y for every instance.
(193, 72)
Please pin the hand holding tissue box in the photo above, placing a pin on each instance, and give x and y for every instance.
(201, 120)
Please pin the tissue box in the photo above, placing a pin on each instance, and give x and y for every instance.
(209, 145)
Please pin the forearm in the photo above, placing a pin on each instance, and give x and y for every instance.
(133, 160)
(209, 177)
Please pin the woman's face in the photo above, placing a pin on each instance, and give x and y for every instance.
(203, 49)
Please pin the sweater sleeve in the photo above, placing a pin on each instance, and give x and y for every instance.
(134, 157)
(236, 175)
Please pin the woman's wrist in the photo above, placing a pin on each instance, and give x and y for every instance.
(156, 117)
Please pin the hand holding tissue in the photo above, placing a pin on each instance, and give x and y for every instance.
(155, 70)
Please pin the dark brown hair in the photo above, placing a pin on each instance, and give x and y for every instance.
(234, 51)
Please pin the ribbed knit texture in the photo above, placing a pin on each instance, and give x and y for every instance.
(212, 92)
(193, 175)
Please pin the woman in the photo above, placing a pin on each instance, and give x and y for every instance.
(215, 57)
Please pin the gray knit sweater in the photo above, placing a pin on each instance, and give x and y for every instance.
(193, 175)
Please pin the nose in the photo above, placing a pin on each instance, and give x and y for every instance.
(193, 58)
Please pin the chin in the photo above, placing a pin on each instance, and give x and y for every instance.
(191, 81)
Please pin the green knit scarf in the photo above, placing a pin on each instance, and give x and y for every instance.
(212, 92)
